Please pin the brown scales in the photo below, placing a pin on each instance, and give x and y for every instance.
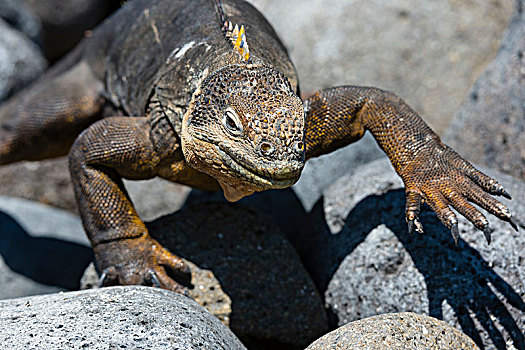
(197, 113)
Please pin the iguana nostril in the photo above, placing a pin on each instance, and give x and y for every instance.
(299, 147)
(266, 148)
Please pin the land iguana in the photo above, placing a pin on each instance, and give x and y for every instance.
(203, 93)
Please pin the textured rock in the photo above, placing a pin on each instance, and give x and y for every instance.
(358, 251)
(109, 318)
(206, 291)
(321, 172)
(489, 128)
(395, 332)
(20, 60)
(43, 250)
(273, 300)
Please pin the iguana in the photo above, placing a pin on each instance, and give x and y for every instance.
(203, 93)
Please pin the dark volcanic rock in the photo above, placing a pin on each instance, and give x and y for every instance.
(395, 332)
(20, 60)
(273, 300)
(109, 318)
(490, 125)
(362, 258)
(64, 22)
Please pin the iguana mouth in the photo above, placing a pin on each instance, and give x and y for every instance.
(283, 180)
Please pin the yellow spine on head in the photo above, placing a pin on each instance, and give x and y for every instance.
(238, 39)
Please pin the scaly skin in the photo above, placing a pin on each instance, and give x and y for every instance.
(178, 101)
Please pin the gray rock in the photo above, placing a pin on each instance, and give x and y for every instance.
(396, 332)
(321, 172)
(156, 197)
(207, 290)
(20, 60)
(49, 182)
(109, 318)
(428, 52)
(489, 128)
(357, 249)
(42, 249)
(20, 16)
(16, 284)
(273, 300)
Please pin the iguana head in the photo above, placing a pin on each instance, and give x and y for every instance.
(245, 127)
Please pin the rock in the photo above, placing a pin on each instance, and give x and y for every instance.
(15, 284)
(156, 197)
(405, 330)
(42, 220)
(43, 250)
(20, 61)
(64, 22)
(47, 182)
(489, 126)
(20, 16)
(357, 249)
(116, 317)
(321, 172)
(206, 291)
(273, 300)
(428, 52)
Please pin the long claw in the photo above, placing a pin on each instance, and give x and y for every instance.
(108, 277)
(513, 224)
(102, 279)
(419, 226)
(411, 226)
(455, 232)
(154, 279)
(488, 233)
(506, 194)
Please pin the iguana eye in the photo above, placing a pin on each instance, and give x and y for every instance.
(231, 122)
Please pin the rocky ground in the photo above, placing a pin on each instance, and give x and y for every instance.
(489, 128)
(283, 268)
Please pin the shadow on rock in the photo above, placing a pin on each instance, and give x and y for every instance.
(43, 259)
(458, 274)
(274, 303)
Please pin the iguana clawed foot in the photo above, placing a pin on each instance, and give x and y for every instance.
(140, 261)
(444, 180)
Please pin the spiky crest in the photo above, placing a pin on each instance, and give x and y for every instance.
(235, 35)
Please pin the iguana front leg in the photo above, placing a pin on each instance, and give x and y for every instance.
(431, 170)
(107, 151)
